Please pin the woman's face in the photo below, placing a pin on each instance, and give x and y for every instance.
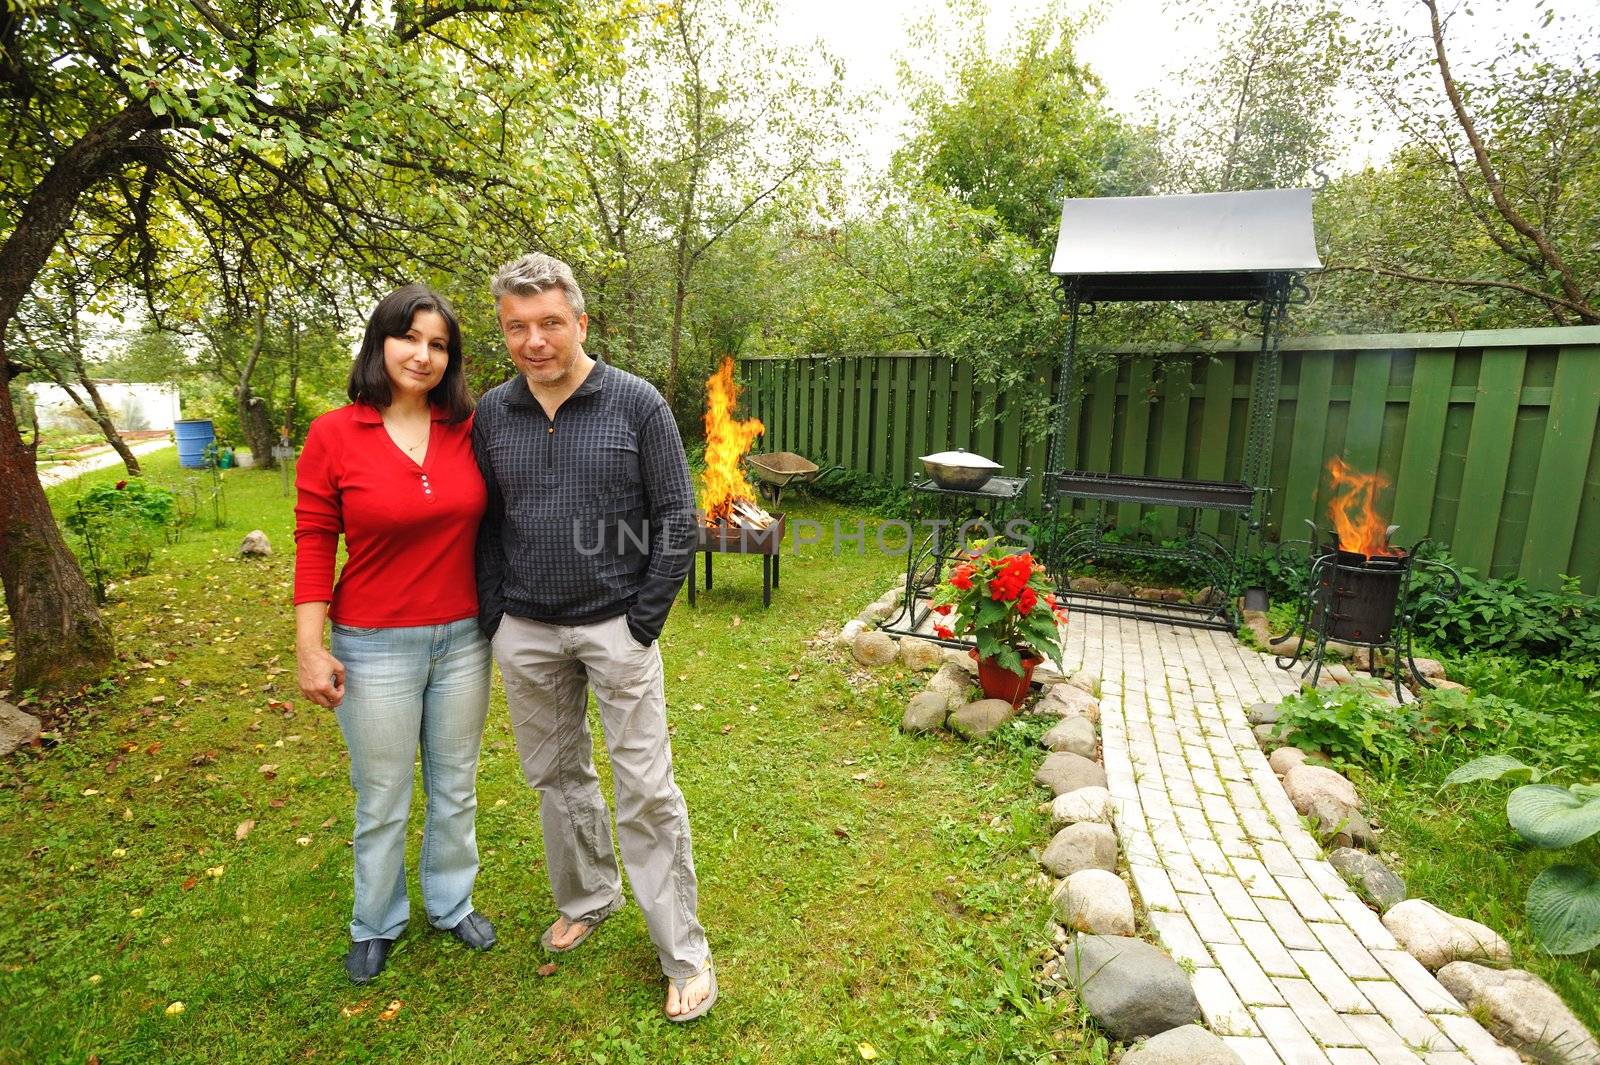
(416, 362)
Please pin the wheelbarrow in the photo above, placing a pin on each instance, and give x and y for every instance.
(776, 470)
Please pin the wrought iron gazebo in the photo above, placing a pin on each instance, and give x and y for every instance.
(1250, 247)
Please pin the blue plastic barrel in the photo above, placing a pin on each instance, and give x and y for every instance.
(194, 436)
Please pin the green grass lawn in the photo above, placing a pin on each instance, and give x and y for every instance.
(865, 892)
(1454, 846)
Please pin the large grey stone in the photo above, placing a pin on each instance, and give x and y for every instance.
(1338, 825)
(874, 648)
(951, 682)
(1085, 804)
(1087, 679)
(1436, 938)
(1094, 900)
(1069, 700)
(1064, 772)
(1189, 1045)
(1085, 845)
(255, 545)
(18, 728)
(1523, 1011)
(1307, 783)
(1430, 668)
(852, 628)
(976, 720)
(921, 654)
(1132, 988)
(1075, 734)
(926, 712)
(1370, 877)
(1264, 713)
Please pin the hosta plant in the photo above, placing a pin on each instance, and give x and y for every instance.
(1563, 904)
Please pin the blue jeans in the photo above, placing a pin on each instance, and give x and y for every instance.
(428, 683)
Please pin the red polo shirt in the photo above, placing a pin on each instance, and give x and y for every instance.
(409, 530)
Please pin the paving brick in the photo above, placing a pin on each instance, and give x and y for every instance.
(1328, 879)
(1208, 918)
(1287, 924)
(1223, 1010)
(1382, 1040)
(1351, 1056)
(1418, 982)
(1340, 991)
(1279, 862)
(1186, 876)
(1471, 1037)
(1309, 901)
(1253, 874)
(1313, 1011)
(1289, 1037)
(1252, 1050)
(1267, 948)
(1233, 898)
(1364, 923)
(1404, 1017)
(1155, 888)
(1178, 935)
(1348, 951)
(1447, 1057)
(1244, 972)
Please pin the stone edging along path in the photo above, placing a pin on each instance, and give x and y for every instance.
(1285, 961)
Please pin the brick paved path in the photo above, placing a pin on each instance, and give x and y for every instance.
(1289, 965)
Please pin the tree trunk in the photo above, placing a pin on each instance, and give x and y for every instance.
(254, 419)
(60, 637)
(94, 408)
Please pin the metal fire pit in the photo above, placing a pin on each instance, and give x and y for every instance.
(1372, 602)
(734, 540)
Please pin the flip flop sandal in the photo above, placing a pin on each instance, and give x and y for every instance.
(681, 982)
(547, 941)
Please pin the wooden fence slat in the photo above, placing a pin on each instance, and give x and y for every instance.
(1483, 483)
(940, 438)
(1216, 408)
(1309, 450)
(900, 436)
(881, 367)
(961, 426)
(1136, 432)
(819, 409)
(1563, 461)
(1418, 474)
(1368, 395)
(1173, 432)
(861, 458)
(921, 385)
(1008, 423)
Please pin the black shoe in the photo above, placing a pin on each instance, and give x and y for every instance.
(475, 931)
(366, 959)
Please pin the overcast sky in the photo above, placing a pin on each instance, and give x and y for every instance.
(1134, 48)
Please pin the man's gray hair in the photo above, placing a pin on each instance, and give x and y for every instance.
(534, 273)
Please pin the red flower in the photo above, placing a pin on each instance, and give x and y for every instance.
(942, 608)
(1050, 601)
(121, 485)
(961, 577)
(942, 632)
(1027, 601)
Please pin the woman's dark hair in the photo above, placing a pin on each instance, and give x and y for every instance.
(392, 317)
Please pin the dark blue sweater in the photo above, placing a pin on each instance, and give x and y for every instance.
(591, 514)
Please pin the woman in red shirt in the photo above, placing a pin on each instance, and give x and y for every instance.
(393, 472)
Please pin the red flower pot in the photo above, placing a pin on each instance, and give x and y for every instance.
(998, 682)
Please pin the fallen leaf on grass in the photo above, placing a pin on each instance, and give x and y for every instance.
(794, 676)
(216, 871)
(861, 777)
(277, 804)
(244, 829)
(391, 1011)
(841, 831)
(867, 1051)
(736, 621)
(174, 1009)
(547, 969)
(358, 1008)
(329, 822)
(269, 770)
(204, 758)
(153, 748)
(189, 884)
(727, 728)
(304, 841)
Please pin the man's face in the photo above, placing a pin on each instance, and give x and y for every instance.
(543, 334)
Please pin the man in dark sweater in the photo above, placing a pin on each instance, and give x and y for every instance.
(588, 534)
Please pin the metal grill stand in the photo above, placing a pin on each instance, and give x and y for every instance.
(1241, 246)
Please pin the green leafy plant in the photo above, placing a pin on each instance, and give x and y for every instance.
(1563, 903)
(116, 527)
(1350, 723)
(1003, 599)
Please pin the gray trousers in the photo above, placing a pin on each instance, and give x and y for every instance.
(547, 670)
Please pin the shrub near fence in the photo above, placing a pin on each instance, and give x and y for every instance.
(1488, 437)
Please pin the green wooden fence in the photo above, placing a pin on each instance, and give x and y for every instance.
(1489, 438)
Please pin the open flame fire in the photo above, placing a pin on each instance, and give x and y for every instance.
(1353, 510)
(726, 496)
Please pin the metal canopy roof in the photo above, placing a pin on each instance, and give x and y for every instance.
(1214, 245)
